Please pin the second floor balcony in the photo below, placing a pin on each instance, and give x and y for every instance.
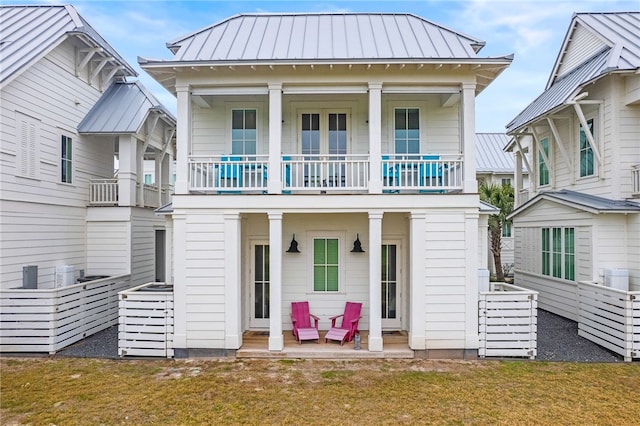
(339, 173)
(107, 193)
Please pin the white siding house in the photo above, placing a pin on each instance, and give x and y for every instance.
(66, 110)
(579, 217)
(326, 129)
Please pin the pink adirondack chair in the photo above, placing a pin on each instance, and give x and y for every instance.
(303, 329)
(349, 326)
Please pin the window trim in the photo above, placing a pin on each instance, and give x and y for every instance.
(64, 139)
(342, 283)
(555, 256)
(591, 120)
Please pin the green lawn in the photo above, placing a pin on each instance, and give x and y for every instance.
(66, 391)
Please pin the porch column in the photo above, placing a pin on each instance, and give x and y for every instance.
(274, 181)
(157, 160)
(417, 282)
(183, 139)
(375, 138)
(127, 177)
(276, 339)
(179, 281)
(470, 184)
(232, 299)
(375, 278)
(471, 272)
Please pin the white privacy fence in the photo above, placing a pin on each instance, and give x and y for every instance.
(146, 321)
(47, 320)
(610, 317)
(508, 321)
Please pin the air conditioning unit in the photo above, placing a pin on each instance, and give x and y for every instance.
(65, 275)
(616, 278)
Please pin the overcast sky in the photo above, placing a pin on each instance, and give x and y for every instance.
(532, 30)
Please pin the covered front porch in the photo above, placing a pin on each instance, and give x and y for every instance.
(255, 345)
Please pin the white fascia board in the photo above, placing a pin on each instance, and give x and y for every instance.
(421, 89)
(235, 90)
(313, 90)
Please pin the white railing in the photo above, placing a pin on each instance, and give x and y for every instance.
(150, 196)
(610, 317)
(635, 178)
(146, 321)
(423, 172)
(228, 173)
(166, 194)
(103, 192)
(507, 321)
(325, 172)
(47, 320)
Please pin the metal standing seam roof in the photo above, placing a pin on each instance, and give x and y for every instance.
(29, 32)
(490, 156)
(121, 109)
(587, 202)
(621, 33)
(325, 36)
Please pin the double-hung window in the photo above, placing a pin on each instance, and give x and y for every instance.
(243, 131)
(558, 252)
(326, 267)
(407, 131)
(586, 151)
(66, 165)
(543, 169)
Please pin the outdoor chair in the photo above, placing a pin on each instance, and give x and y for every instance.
(303, 329)
(349, 326)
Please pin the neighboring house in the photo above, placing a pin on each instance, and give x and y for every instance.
(495, 166)
(66, 110)
(579, 219)
(328, 158)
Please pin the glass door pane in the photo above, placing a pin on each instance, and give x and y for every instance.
(389, 282)
(261, 282)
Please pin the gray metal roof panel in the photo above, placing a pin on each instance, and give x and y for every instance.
(490, 156)
(560, 91)
(121, 109)
(622, 32)
(323, 36)
(29, 32)
(587, 202)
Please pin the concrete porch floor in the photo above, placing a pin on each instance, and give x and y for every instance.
(255, 344)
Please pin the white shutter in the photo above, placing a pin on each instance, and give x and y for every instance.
(27, 149)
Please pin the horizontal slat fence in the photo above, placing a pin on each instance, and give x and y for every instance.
(146, 322)
(610, 318)
(47, 320)
(508, 321)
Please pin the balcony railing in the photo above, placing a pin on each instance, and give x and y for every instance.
(428, 173)
(104, 192)
(635, 178)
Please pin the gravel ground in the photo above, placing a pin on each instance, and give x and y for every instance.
(558, 340)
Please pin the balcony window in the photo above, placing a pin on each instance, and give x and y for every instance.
(586, 152)
(243, 131)
(407, 131)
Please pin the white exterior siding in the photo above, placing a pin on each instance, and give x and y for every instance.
(584, 44)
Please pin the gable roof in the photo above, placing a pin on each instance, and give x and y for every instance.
(490, 154)
(122, 109)
(590, 203)
(30, 32)
(620, 33)
(326, 36)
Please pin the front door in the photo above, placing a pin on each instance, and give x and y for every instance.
(323, 140)
(391, 286)
(259, 285)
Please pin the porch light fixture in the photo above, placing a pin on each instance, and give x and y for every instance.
(357, 245)
(293, 247)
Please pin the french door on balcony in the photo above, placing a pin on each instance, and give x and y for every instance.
(323, 142)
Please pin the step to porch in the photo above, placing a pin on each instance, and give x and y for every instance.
(256, 345)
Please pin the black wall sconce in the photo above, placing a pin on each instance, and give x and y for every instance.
(293, 247)
(357, 245)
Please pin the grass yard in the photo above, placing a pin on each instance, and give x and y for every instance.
(65, 391)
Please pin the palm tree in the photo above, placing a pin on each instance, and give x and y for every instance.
(501, 197)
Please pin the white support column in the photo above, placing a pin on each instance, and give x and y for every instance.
(232, 262)
(183, 139)
(375, 138)
(127, 177)
(158, 176)
(518, 178)
(417, 282)
(168, 251)
(276, 339)
(375, 281)
(274, 183)
(180, 283)
(471, 272)
(469, 137)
